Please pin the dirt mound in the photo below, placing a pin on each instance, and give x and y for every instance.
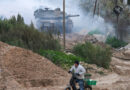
(90, 38)
(22, 69)
(123, 54)
(30, 69)
(73, 39)
(121, 67)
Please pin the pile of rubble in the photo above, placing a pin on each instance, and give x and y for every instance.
(90, 38)
(127, 46)
(73, 39)
(123, 53)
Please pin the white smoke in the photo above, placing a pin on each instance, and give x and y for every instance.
(26, 8)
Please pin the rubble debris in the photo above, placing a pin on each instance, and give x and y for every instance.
(123, 54)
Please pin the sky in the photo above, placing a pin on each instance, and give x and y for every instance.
(23, 7)
(26, 7)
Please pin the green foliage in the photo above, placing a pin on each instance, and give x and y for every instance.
(94, 32)
(114, 42)
(20, 19)
(94, 54)
(60, 58)
(15, 32)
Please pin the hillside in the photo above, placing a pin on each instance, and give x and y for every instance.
(22, 69)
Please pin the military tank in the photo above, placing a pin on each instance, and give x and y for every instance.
(52, 20)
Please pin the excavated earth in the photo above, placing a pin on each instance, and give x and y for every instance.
(22, 69)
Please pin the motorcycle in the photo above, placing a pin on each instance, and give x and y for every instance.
(72, 84)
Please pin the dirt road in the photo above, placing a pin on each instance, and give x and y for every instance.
(119, 79)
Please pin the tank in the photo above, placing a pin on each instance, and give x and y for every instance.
(52, 20)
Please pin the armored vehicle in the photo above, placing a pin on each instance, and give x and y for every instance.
(47, 19)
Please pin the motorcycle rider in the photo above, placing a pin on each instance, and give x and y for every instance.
(79, 70)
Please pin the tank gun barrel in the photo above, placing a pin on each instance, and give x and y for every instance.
(73, 15)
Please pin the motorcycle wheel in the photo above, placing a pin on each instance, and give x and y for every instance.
(68, 88)
(88, 88)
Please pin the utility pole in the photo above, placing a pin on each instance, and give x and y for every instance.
(64, 28)
(98, 9)
(95, 6)
(116, 2)
(117, 16)
(118, 10)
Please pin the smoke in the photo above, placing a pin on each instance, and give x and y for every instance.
(26, 8)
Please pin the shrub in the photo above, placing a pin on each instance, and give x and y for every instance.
(115, 43)
(94, 54)
(94, 32)
(60, 58)
(15, 32)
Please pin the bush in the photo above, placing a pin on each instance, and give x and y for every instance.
(59, 58)
(94, 54)
(15, 32)
(115, 43)
(94, 32)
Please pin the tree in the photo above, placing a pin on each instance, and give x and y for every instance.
(20, 19)
(13, 20)
(17, 33)
(32, 25)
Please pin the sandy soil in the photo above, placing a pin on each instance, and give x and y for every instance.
(119, 79)
(28, 69)
(21, 69)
